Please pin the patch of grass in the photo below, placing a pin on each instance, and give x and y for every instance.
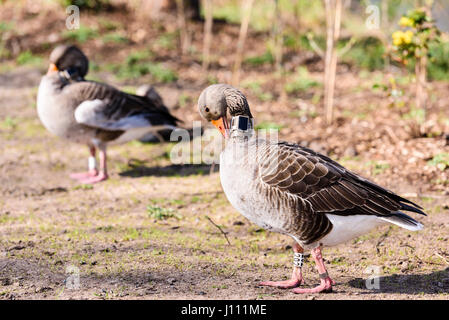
(114, 38)
(265, 58)
(367, 53)
(80, 35)
(415, 114)
(110, 25)
(441, 161)
(6, 26)
(137, 65)
(439, 64)
(257, 90)
(268, 126)
(301, 82)
(9, 123)
(83, 187)
(184, 99)
(160, 213)
(28, 58)
(377, 167)
(95, 5)
(294, 41)
(161, 73)
(166, 40)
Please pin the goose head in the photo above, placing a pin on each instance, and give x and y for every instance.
(217, 100)
(69, 60)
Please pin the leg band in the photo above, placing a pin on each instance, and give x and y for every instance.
(298, 259)
(324, 275)
(92, 163)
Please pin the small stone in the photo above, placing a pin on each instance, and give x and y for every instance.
(43, 289)
(404, 266)
(171, 281)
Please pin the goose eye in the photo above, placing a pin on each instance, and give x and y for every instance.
(206, 109)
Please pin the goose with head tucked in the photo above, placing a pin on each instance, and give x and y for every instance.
(286, 188)
(93, 113)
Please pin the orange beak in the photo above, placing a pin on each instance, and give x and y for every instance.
(52, 68)
(222, 126)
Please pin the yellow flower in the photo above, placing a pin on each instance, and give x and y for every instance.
(397, 37)
(406, 22)
(400, 37)
(408, 36)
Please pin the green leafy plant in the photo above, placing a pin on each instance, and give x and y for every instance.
(268, 126)
(95, 5)
(411, 44)
(256, 89)
(301, 82)
(114, 38)
(137, 65)
(27, 57)
(80, 35)
(159, 213)
(441, 161)
(265, 58)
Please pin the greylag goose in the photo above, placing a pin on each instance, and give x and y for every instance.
(93, 113)
(293, 190)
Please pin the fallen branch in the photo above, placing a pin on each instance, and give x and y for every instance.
(219, 228)
(440, 256)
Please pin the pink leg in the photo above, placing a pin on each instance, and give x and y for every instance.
(326, 281)
(103, 174)
(92, 171)
(296, 279)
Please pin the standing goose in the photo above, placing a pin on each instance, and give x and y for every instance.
(289, 189)
(93, 113)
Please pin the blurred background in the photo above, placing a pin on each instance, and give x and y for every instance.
(364, 82)
(345, 77)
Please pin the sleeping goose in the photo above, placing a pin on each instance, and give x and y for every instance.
(289, 189)
(93, 113)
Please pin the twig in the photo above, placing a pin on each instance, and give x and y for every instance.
(347, 47)
(212, 168)
(382, 238)
(207, 33)
(314, 45)
(439, 255)
(224, 233)
(182, 26)
(246, 8)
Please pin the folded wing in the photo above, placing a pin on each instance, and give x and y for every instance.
(107, 108)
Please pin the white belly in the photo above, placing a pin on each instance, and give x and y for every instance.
(345, 228)
(53, 117)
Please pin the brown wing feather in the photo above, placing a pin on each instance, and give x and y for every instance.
(119, 104)
(326, 185)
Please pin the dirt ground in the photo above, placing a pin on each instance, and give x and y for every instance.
(145, 233)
